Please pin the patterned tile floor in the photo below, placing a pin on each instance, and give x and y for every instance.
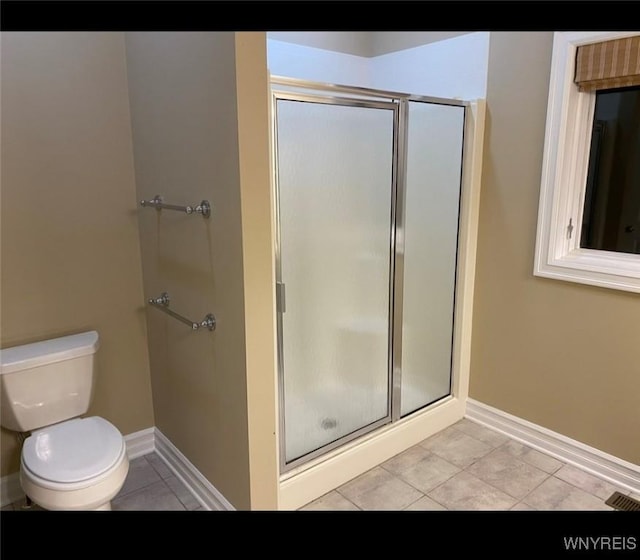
(464, 467)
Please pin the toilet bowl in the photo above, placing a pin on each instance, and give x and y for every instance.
(79, 464)
(68, 462)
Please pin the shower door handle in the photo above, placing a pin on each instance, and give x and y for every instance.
(280, 297)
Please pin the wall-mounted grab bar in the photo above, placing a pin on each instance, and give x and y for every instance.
(158, 203)
(162, 303)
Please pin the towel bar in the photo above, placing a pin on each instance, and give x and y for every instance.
(158, 203)
(162, 303)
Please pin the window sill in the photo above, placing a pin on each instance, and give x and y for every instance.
(596, 268)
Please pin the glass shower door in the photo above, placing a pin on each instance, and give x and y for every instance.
(430, 238)
(335, 189)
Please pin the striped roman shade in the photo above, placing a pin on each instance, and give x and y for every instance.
(609, 64)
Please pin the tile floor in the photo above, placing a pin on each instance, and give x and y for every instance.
(470, 467)
(464, 467)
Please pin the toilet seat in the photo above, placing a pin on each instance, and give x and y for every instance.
(73, 454)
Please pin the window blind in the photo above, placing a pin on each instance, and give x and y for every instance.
(608, 64)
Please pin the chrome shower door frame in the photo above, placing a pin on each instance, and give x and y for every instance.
(306, 91)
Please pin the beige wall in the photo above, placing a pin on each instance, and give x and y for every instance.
(562, 355)
(185, 111)
(70, 249)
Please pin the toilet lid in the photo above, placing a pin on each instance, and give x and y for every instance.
(74, 450)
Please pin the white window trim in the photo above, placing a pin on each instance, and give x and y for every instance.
(564, 174)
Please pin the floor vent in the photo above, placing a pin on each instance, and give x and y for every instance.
(622, 502)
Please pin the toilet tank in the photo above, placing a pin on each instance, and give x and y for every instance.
(46, 382)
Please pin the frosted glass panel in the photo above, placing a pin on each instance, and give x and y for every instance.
(434, 162)
(334, 181)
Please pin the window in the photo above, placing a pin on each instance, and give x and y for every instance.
(611, 213)
(589, 213)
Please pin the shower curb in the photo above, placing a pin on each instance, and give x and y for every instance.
(616, 471)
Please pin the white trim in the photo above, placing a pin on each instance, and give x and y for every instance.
(10, 489)
(617, 471)
(564, 174)
(138, 444)
(203, 491)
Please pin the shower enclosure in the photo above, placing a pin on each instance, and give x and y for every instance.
(368, 190)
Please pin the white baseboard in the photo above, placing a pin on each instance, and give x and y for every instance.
(10, 489)
(207, 494)
(138, 444)
(617, 471)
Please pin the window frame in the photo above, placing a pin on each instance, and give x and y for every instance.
(569, 122)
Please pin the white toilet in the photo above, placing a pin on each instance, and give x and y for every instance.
(68, 462)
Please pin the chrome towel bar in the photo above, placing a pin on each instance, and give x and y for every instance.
(162, 303)
(158, 203)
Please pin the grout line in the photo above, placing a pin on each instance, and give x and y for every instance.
(547, 476)
(161, 464)
(529, 448)
(153, 466)
(186, 507)
(425, 494)
(493, 447)
(465, 469)
(174, 494)
(146, 484)
(337, 492)
(535, 488)
(430, 498)
(461, 469)
(416, 500)
(603, 500)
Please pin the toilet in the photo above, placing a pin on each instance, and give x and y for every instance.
(68, 462)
